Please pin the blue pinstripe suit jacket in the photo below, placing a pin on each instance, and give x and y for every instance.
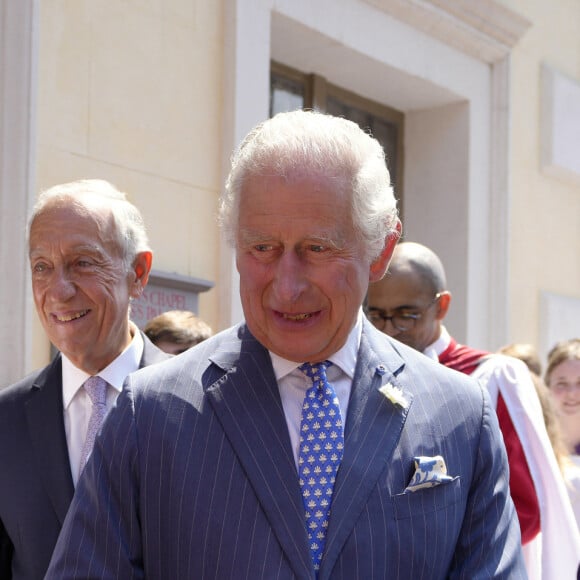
(193, 476)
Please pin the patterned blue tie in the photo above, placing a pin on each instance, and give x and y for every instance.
(321, 449)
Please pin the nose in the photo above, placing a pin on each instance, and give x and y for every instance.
(390, 328)
(290, 279)
(572, 391)
(61, 286)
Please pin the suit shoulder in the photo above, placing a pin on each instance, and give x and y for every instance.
(21, 388)
(432, 377)
(14, 401)
(187, 367)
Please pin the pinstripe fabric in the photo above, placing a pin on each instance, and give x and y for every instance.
(193, 477)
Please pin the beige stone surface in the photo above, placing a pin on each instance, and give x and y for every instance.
(130, 91)
(545, 212)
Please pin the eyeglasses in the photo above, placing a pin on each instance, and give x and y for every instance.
(402, 321)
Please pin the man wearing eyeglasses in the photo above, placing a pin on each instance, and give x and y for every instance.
(409, 304)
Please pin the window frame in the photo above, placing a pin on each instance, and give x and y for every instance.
(317, 91)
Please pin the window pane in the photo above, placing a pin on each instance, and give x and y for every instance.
(383, 131)
(291, 89)
(386, 135)
(285, 94)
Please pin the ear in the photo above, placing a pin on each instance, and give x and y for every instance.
(380, 264)
(141, 269)
(443, 305)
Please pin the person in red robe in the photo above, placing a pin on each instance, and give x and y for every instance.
(409, 304)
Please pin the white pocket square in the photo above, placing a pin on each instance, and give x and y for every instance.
(429, 472)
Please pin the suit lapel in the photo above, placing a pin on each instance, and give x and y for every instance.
(44, 414)
(247, 403)
(373, 429)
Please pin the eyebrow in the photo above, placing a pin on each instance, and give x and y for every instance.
(246, 236)
(251, 236)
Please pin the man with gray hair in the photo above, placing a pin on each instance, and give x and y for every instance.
(89, 255)
(301, 443)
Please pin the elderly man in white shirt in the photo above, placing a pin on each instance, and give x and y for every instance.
(89, 256)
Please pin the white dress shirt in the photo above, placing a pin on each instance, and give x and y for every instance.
(293, 383)
(77, 404)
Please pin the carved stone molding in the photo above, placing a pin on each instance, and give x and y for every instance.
(484, 29)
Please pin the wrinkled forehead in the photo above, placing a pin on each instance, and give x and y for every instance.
(82, 204)
(86, 215)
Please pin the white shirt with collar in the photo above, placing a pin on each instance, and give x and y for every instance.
(77, 404)
(293, 383)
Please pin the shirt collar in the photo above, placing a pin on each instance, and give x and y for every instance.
(115, 373)
(436, 348)
(345, 358)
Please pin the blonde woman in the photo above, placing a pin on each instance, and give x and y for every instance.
(563, 380)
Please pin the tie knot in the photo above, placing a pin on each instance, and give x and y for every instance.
(96, 387)
(316, 372)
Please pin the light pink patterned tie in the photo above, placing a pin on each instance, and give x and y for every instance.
(96, 387)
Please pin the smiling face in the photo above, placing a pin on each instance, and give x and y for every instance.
(80, 284)
(564, 384)
(303, 272)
